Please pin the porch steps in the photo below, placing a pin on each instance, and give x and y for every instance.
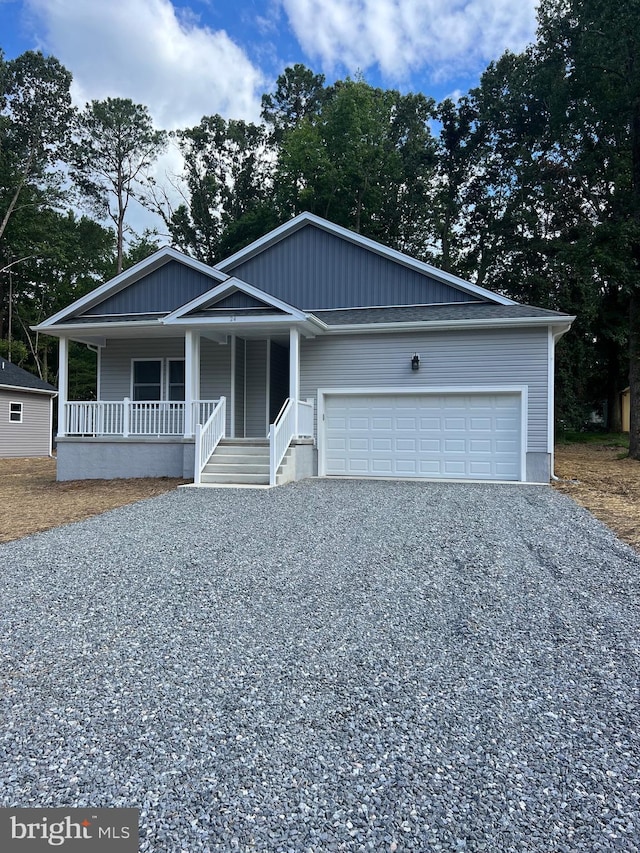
(241, 461)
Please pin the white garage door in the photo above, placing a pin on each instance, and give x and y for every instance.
(455, 436)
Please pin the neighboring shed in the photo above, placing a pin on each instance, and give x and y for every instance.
(625, 405)
(26, 412)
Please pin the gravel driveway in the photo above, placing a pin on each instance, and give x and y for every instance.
(330, 666)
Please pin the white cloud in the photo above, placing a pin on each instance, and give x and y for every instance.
(141, 49)
(444, 37)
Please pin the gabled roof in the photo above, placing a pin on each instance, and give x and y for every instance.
(129, 277)
(12, 376)
(304, 219)
(217, 294)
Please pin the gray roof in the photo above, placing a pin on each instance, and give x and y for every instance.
(433, 313)
(11, 374)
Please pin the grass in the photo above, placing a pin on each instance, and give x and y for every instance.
(603, 439)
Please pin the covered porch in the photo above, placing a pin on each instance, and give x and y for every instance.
(186, 395)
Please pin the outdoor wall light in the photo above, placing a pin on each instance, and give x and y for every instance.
(415, 362)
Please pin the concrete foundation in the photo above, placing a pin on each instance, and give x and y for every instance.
(538, 467)
(117, 458)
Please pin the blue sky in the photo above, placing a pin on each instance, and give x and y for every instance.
(188, 58)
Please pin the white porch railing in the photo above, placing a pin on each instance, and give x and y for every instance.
(208, 437)
(126, 418)
(305, 418)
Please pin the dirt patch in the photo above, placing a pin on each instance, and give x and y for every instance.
(606, 485)
(31, 500)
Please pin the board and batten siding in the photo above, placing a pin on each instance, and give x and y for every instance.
(313, 269)
(160, 291)
(32, 437)
(491, 357)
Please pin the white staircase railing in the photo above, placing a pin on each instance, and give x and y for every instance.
(281, 432)
(208, 437)
(295, 419)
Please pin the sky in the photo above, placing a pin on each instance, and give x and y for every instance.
(184, 59)
(188, 58)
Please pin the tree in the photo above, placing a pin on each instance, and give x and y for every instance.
(299, 94)
(115, 145)
(363, 161)
(228, 180)
(597, 46)
(35, 114)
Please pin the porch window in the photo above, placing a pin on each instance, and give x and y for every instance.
(147, 380)
(15, 413)
(175, 379)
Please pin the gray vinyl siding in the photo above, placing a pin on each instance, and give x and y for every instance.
(455, 358)
(162, 290)
(256, 389)
(239, 413)
(32, 437)
(313, 269)
(115, 366)
(115, 362)
(279, 379)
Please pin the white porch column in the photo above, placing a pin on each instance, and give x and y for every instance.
(188, 383)
(63, 385)
(232, 396)
(196, 371)
(294, 372)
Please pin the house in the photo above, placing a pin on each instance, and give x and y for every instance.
(26, 412)
(314, 350)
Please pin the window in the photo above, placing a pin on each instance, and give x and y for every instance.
(15, 413)
(175, 379)
(147, 380)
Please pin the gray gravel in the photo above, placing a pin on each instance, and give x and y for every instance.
(330, 666)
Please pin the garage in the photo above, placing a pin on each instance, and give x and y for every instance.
(453, 435)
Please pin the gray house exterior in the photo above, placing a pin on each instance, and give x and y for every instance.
(312, 351)
(26, 413)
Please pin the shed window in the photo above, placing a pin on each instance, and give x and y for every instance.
(147, 380)
(15, 413)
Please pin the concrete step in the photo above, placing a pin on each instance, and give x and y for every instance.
(236, 479)
(241, 458)
(244, 442)
(238, 450)
(219, 466)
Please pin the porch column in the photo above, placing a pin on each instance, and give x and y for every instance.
(63, 385)
(232, 396)
(294, 372)
(188, 382)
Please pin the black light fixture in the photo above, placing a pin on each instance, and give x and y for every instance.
(415, 362)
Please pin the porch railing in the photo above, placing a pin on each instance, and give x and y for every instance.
(132, 418)
(208, 436)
